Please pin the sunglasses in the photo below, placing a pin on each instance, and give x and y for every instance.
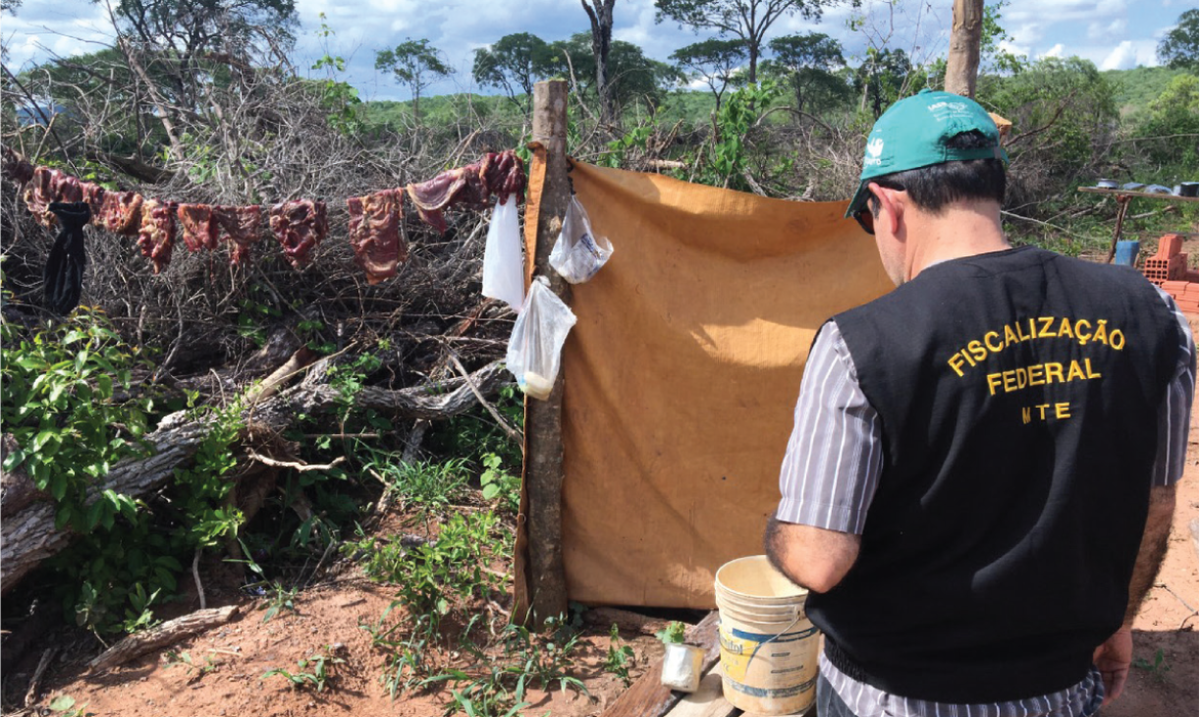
(864, 217)
(866, 220)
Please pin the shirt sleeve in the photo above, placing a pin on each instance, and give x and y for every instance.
(1175, 414)
(835, 454)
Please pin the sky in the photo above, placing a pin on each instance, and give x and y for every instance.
(1114, 34)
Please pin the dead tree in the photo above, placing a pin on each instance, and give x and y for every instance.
(962, 64)
(29, 536)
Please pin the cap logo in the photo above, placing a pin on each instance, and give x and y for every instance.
(957, 106)
(874, 149)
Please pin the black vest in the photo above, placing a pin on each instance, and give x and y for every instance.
(1019, 393)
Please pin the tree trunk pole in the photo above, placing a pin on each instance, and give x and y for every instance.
(543, 419)
(962, 64)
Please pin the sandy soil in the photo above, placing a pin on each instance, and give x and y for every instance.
(240, 653)
(1168, 618)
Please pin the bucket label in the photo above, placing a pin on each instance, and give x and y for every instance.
(770, 692)
(770, 655)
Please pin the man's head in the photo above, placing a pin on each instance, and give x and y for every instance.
(927, 154)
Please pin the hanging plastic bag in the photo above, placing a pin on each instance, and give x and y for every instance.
(537, 340)
(578, 254)
(503, 265)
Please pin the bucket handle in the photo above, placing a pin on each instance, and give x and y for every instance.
(774, 637)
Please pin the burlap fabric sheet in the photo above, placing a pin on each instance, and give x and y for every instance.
(682, 375)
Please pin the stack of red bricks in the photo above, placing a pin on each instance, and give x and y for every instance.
(1169, 264)
(1169, 270)
(1185, 293)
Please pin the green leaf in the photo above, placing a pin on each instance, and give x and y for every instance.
(105, 383)
(62, 703)
(30, 363)
(58, 486)
(14, 459)
(95, 512)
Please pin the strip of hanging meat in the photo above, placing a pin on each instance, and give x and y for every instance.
(16, 167)
(156, 235)
(240, 227)
(121, 212)
(39, 193)
(375, 233)
(504, 175)
(200, 228)
(93, 194)
(50, 185)
(500, 174)
(299, 225)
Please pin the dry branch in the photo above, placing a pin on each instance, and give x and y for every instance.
(35, 685)
(29, 537)
(165, 634)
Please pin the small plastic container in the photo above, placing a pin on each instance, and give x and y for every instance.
(681, 667)
(1127, 253)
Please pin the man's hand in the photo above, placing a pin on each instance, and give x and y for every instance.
(1113, 659)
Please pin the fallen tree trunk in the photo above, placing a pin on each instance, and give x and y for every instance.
(29, 537)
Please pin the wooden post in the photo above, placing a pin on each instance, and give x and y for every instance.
(962, 64)
(543, 419)
(1122, 208)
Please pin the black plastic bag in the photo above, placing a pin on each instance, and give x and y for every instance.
(63, 278)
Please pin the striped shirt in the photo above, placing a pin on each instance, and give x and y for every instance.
(833, 465)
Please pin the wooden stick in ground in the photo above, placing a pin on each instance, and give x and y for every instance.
(543, 419)
(35, 685)
(648, 697)
(159, 637)
(1122, 208)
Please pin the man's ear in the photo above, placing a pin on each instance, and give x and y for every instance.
(894, 200)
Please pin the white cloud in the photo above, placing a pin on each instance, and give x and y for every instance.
(1042, 13)
(1056, 51)
(1123, 57)
(1112, 30)
(1013, 48)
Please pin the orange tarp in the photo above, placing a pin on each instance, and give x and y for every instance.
(682, 373)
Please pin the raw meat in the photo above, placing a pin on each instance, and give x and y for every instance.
(375, 233)
(299, 225)
(50, 185)
(121, 212)
(504, 175)
(39, 193)
(499, 174)
(16, 167)
(93, 194)
(156, 236)
(200, 230)
(240, 227)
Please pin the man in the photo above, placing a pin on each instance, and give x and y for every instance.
(980, 482)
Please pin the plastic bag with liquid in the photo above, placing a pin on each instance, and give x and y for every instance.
(535, 348)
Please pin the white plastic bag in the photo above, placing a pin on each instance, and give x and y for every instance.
(578, 254)
(503, 265)
(537, 340)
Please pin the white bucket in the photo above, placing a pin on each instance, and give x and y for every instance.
(768, 646)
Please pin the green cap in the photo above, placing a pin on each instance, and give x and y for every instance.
(913, 134)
